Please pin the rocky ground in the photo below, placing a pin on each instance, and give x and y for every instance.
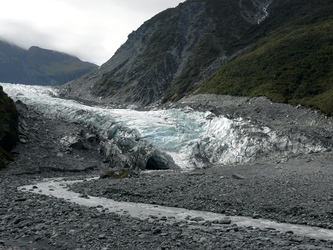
(298, 191)
(290, 189)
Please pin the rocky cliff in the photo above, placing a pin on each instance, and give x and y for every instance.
(8, 127)
(170, 55)
(37, 66)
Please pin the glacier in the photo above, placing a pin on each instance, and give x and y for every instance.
(193, 139)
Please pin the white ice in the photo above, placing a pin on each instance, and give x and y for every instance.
(182, 134)
(173, 131)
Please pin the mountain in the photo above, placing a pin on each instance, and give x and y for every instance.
(291, 65)
(173, 54)
(8, 127)
(37, 66)
(177, 47)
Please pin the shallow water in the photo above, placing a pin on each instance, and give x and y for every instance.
(60, 188)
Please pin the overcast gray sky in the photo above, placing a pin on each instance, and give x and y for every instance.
(89, 29)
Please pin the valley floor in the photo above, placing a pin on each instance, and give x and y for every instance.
(291, 189)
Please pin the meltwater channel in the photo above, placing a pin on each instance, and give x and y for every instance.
(182, 134)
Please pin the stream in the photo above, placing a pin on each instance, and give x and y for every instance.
(59, 187)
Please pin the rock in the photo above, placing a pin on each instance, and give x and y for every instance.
(39, 227)
(233, 228)
(17, 221)
(197, 219)
(157, 231)
(256, 216)
(23, 140)
(84, 196)
(297, 239)
(59, 154)
(21, 199)
(73, 142)
(224, 221)
(238, 177)
(203, 239)
(186, 234)
(101, 236)
(86, 226)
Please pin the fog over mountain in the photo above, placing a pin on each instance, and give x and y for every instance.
(90, 30)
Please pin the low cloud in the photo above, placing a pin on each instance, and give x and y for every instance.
(90, 30)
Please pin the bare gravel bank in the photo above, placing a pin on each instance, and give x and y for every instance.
(294, 189)
(298, 190)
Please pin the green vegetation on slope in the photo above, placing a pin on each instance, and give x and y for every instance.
(281, 13)
(227, 15)
(233, 33)
(292, 65)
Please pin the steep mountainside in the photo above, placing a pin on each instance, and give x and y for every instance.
(170, 55)
(39, 66)
(292, 65)
(8, 127)
(178, 47)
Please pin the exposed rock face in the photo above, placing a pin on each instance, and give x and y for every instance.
(171, 53)
(255, 11)
(8, 126)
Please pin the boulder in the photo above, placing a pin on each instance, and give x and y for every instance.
(72, 142)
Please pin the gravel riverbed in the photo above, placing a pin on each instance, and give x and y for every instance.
(295, 189)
